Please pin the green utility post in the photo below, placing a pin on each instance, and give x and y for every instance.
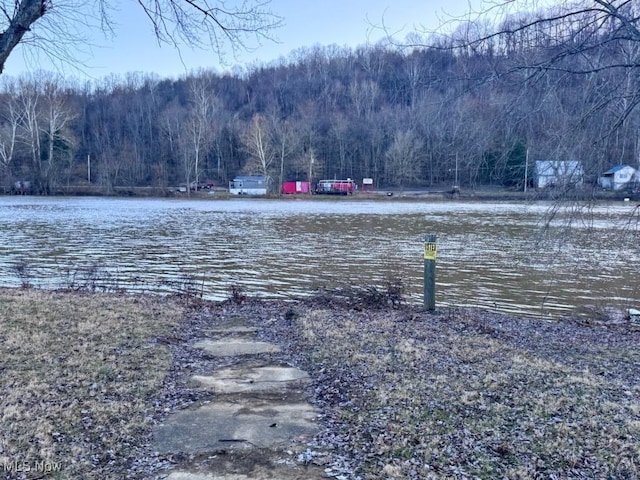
(430, 250)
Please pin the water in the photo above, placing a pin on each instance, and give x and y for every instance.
(492, 255)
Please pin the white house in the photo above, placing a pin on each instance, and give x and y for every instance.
(618, 177)
(551, 173)
(250, 185)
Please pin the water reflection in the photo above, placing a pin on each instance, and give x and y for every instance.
(490, 255)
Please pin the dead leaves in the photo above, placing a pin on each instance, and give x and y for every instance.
(470, 394)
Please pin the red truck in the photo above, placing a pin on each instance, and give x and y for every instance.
(336, 187)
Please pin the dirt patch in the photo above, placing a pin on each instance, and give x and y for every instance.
(250, 465)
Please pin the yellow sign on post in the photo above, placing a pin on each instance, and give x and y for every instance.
(430, 250)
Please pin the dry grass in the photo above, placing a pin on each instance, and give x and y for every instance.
(79, 372)
(404, 394)
(472, 395)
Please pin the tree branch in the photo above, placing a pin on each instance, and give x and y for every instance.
(26, 14)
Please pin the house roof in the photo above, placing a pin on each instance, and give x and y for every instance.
(617, 168)
(249, 178)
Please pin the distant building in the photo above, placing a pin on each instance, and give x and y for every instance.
(552, 173)
(295, 187)
(367, 184)
(250, 185)
(618, 177)
(22, 187)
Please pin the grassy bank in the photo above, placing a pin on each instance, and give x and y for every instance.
(408, 395)
(404, 394)
(79, 373)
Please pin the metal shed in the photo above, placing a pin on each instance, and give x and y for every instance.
(249, 185)
(292, 187)
(551, 173)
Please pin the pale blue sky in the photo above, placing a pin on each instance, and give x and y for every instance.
(327, 22)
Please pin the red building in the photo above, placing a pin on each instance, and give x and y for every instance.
(295, 187)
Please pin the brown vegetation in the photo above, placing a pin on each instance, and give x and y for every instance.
(470, 394)
(79, 374)
(403, 394)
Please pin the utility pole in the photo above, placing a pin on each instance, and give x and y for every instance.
(311, 160)
(526, 170)
(457, 184)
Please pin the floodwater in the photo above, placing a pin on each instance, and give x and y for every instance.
(492, 255)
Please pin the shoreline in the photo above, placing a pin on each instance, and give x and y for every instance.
(425, 194)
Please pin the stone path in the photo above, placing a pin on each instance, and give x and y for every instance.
(257, 424)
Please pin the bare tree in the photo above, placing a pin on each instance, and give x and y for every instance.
(259, 145)
(9, 122)
(17, 19)
(43, 126)
(404, 158)
(175, 128)
(52, 26)
(285, 143)
(582, 39)
(211, 23)
(57, 117)
(197, 128)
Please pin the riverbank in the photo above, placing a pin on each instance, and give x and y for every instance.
(402, 393)
(480, 194)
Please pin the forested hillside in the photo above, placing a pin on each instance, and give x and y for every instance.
(404, 116)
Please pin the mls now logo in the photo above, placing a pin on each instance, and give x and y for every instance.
(37, 467)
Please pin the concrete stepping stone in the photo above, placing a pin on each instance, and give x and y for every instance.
(231, 347)
(271, 473)
(206, 476)
(249, 423)
(232, 329)
(259, 379)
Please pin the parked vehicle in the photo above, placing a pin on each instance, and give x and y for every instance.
(336, 187)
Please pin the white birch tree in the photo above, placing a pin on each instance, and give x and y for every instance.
(258, 143)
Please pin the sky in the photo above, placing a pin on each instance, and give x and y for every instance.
(134, 47)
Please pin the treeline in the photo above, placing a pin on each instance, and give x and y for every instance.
(467, 113)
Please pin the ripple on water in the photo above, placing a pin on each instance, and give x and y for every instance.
(491, 255)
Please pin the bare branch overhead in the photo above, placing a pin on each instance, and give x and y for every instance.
(219, 25)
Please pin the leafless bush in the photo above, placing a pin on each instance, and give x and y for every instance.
(291, 314)
(94, 277)
(24, 272)
(391, 294)
(187, 286)
(237, 294)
